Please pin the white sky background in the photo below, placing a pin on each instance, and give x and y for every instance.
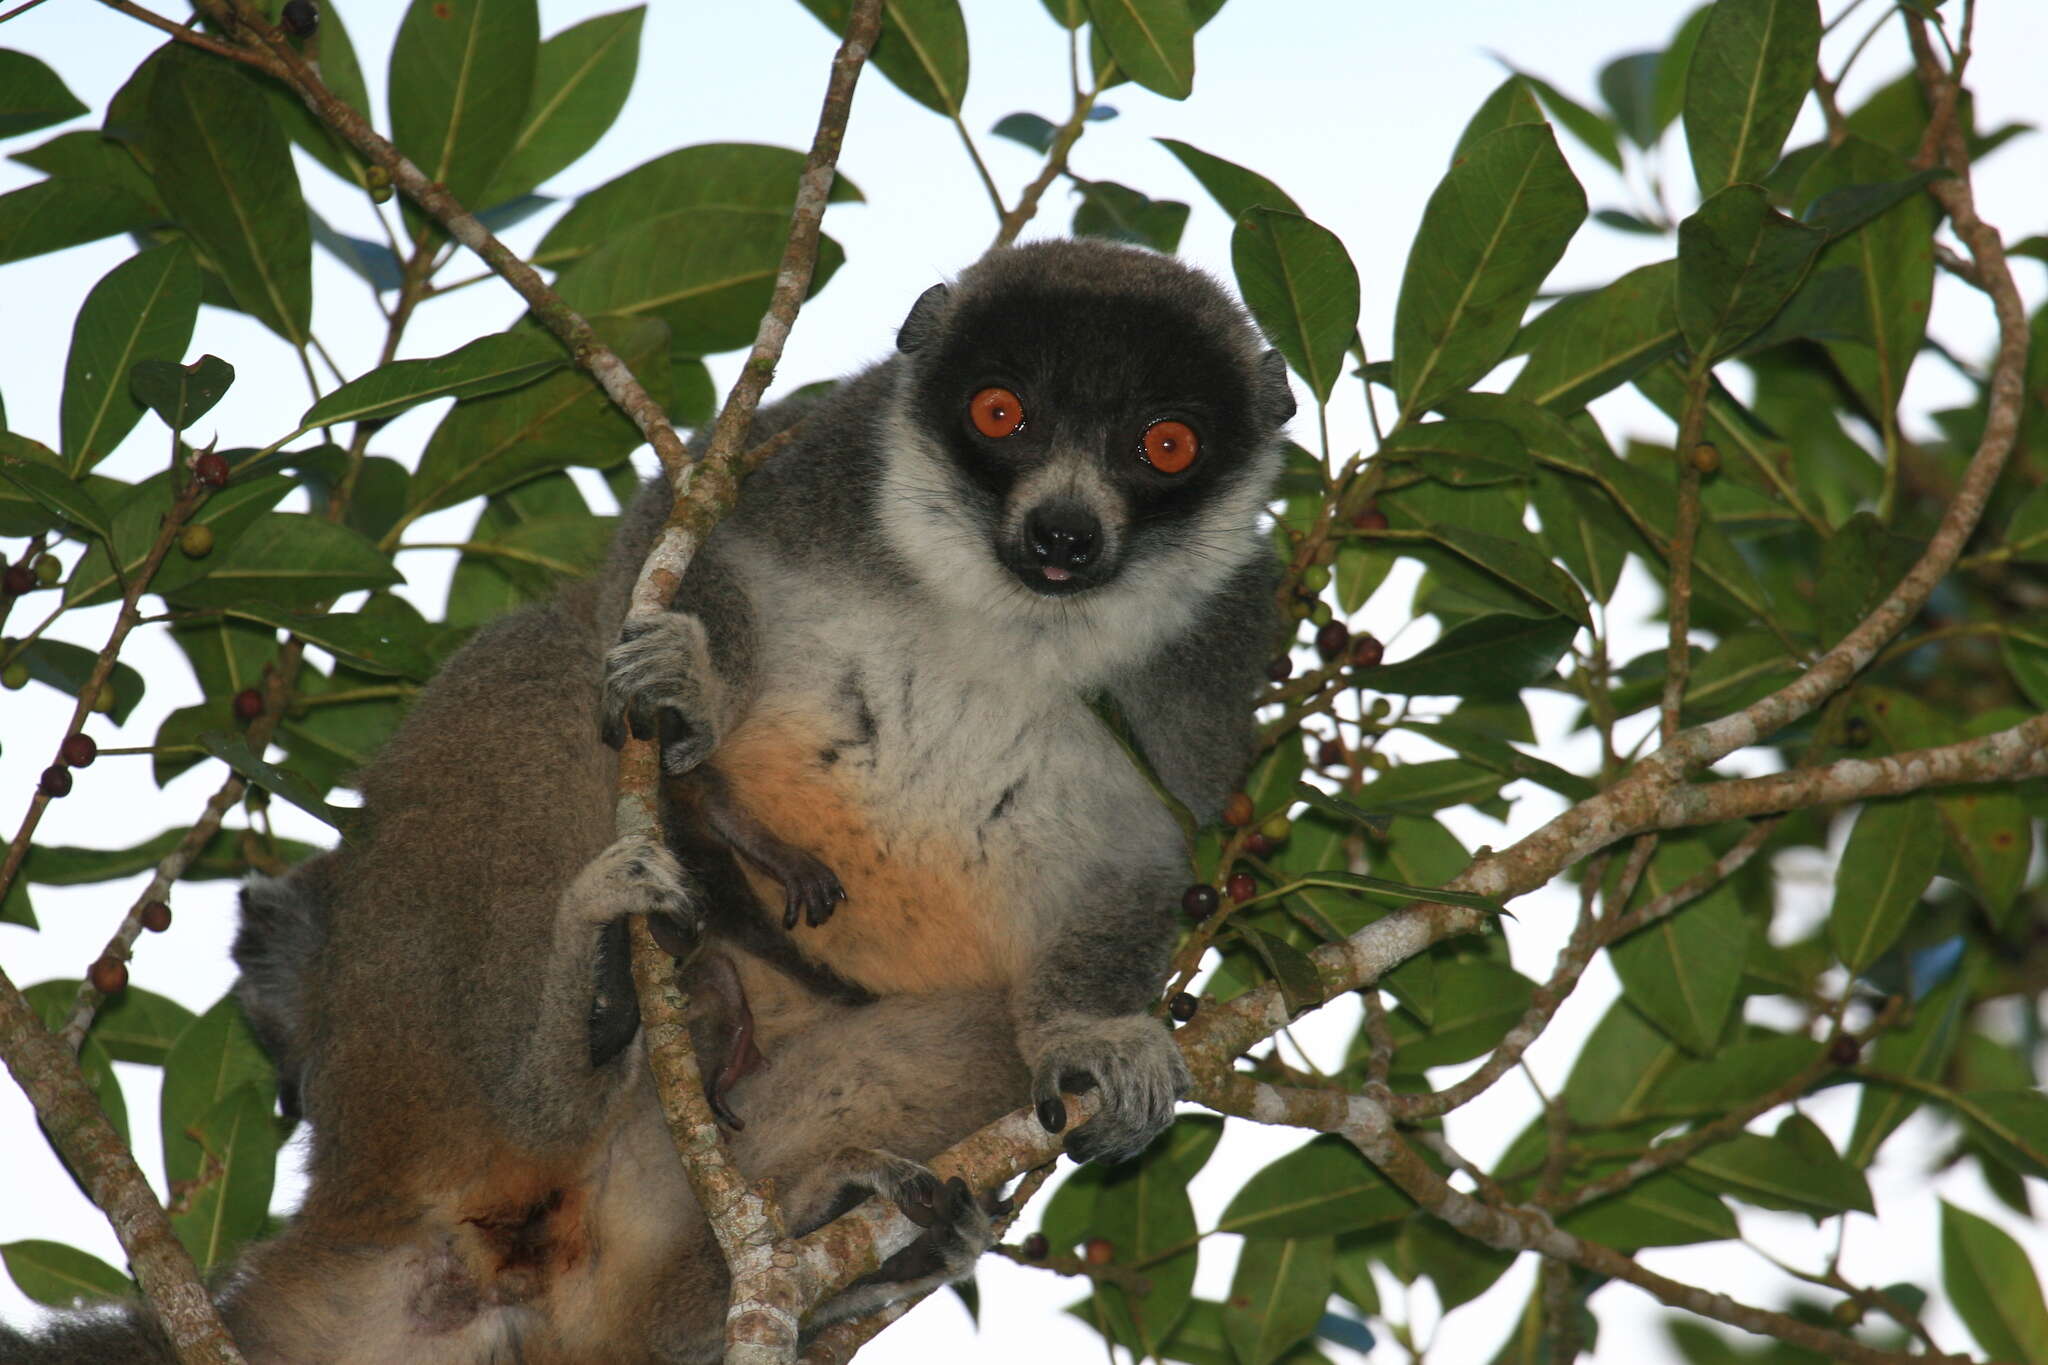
(1353, 109)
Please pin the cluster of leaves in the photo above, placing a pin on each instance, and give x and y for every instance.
(1802, 277)
(1812, 270)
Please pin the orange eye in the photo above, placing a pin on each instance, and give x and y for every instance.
(996, 412)
(1170, 446)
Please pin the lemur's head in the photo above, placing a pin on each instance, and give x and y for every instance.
(1084, 433)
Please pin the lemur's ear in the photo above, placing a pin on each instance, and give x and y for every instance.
(1275, 393)
(923, 322)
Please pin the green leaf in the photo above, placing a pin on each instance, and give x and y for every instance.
(233, 750)
(1518, 563)
(1619, 1068)
(2012, 1123)
(225, 1204)
(487, 444)
(144, 309)
(1460, 1268)
(86, 154)
(1490, 234)
(1302, 288)
(134, 1026)
(180, 394)
(1492, 656)
(1920, 1050)
(225, 171)
(32, 96)
(1317, 1190)
(1585, 125)
(1489, 749)
(1462, 453)
(503, 360)
(1993, 1287)
(67, 667)
(1661, 1211)
(1122, 214)
(1629, 86)
(1578, 527)
(48, 486)
(580, 82)
(1749, 74)
(366, 642)
(1032, 130)
(1142, 1207)
(1477, 1002)
(1668, 100)
(1153, 41)
(212, 1059)
(1587, 344)
(1277, 1295)
(1778, 1173)
(707, 273)
(59, 1276)
(288, 559)
(138, 519)
(1739, 260)
(1513, 101)
(1423, 788)
(714, 175)
(1892, 256)
(1684, 971)
(1235, 189)
(922, 48)
(1890, 858)
(53, 214)
(462, 78)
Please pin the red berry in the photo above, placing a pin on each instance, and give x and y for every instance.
(78, 751)
(211, 469)
(56, 780)
(18, 579)
(1183, 1006)
(156, 916)
(1199, 901)
(1371, 519)
(248, 703)
(1099, 1251)
(1237, 811)
(1280, 669)
(1332, 638)
(1258, 844)
(1845, 1051)
(109, 976)
(1366, 652)
(1330, 754)
(1241, 887)
(1035, 1247)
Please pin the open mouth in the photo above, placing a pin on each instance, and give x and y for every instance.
(1050, 580)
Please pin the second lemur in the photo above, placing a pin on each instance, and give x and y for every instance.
(878, 671)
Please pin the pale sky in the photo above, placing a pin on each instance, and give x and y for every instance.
(1349, 105)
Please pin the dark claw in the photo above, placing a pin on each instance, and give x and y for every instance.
(1078, 1082)
(958, 1199)
(1052, 1113)
(919, 1200)
(612, 731)
(640, 718)
(1000, 1208)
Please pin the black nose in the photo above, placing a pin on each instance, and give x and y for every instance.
(1062, 536)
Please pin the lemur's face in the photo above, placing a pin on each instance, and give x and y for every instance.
(1092, 440)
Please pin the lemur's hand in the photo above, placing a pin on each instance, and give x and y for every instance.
(658, 684)
(1133, 1061)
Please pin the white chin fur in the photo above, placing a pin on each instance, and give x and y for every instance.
(1081, 638)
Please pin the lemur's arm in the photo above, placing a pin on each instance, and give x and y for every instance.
(1082, 1014)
